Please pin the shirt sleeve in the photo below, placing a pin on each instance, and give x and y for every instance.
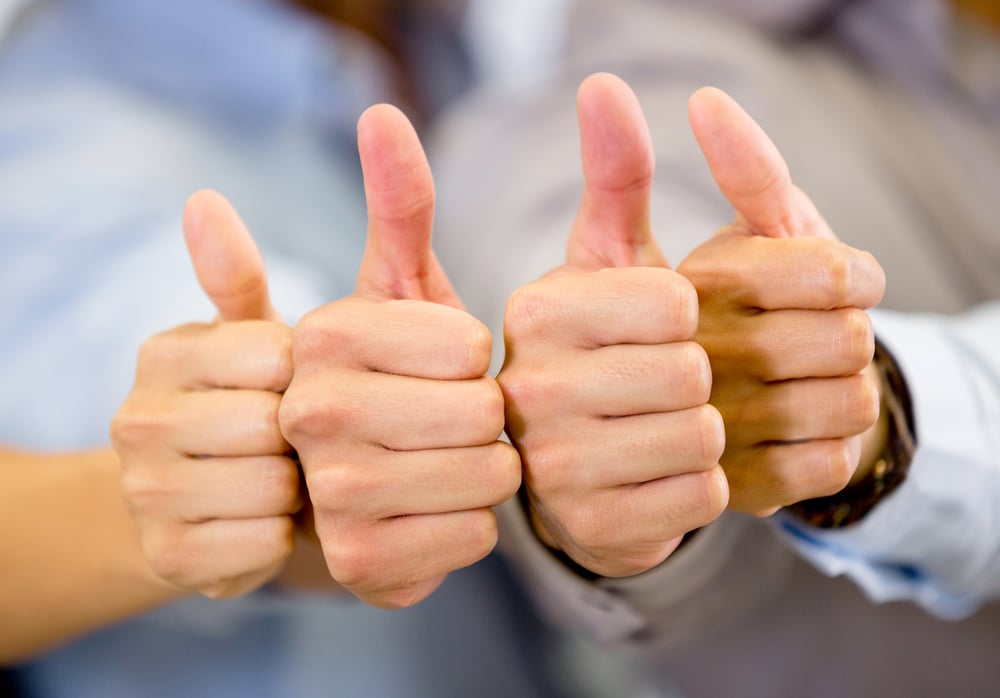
(722, 572)
(936, 540)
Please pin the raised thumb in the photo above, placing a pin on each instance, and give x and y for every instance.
(399, 262)
(226, 259)
(612, 225)
(749, 169)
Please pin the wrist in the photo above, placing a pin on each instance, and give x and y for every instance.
(887, 450)
(875, 440)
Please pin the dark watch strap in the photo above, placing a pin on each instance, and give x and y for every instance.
(854, 502)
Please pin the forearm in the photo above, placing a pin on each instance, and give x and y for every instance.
(72, 559)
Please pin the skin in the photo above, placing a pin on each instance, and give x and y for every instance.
(784, 324)
(390, 409)
(203, 493)
(200, 494)
(82, 565)
(207, 475)
(381, 398)
(397, 428)
(618, 382)
(606, 390)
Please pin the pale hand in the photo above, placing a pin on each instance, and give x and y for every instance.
(206, 473)
(390, 409)
(606, 390)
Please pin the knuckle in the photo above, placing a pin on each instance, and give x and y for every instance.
(681, 302)
(168, 557)
(840, 462)
(305, 413)
(858, 338)
(279, 369)
(143, 490)
(526, 312)
(480, 346)
(837, 263)
(862, 401)
(547, 469)
(266, 417)
(763, 352)
(277, 537)
(716, 494)
(321, 330)
(499, 473)
(483, 534)
(529, 391)
(404, 596)
(880, 281)
(588, 529)
(507, 471)
(639, 558)
(292, 414)
(699, 499)
(163, 349)
(133, 426)
(670, 298)
(280, 480)
(225, 589)
(491, 406)
(697, 373)
(711, 433)
(334, 487)
(352, 563)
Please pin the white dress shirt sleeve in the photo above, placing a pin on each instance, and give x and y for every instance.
(936, 540)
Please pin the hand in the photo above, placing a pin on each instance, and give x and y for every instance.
(783, 321)
(606, 391)
(390, 410)
(206, 472)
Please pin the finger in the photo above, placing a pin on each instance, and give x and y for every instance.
(200, 489)
(611, 306)
(622, 452)
(618, 381)
(414, 339)
(749, 170)
(399, 413)
(617, 533)
(777, 475)
(383, 564)
(380, 484)
(772, 274)
(612, 226)
(252, 355)
(241, 584)
(785, 344)
(196, 556)
(225, 423)
(798, 410)
(226, 259)
(398, 260)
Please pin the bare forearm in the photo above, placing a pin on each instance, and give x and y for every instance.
(72, 559)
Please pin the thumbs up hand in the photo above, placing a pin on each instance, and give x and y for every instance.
(783, 321)
(606, 391)
(206, 472)
(390, 410)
